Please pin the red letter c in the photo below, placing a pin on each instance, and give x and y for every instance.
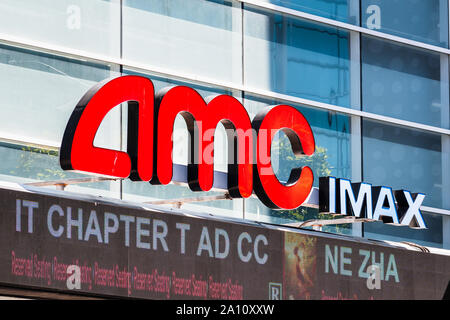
(266, 185)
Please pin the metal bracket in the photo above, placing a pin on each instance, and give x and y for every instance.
(323, 222)
(417, 246)
(63, 183)
(312, 200)
(179, 202)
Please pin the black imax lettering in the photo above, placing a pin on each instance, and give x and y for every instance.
(375, 203)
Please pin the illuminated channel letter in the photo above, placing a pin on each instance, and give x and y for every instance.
(409, 208)
(201, 118)
(373, 203)
(338, 196)
(77, 149)
(266, 185)
(384, 209)
(150, 145)
(349, 204)
(327, 195)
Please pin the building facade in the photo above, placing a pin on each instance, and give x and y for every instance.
(370, 76)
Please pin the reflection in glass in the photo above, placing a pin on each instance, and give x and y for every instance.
(24, 164)
(404, 158)
(420, 20)
(403, 82)
(295, 57)
(196, 36)
(432, 236)
(332, 136)
(87, 25)
(337, 9)
(40, 91)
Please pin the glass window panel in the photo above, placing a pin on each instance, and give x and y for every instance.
(420, 20)
(432, 236)
(295, 57)
(24, 164)
(88, 25)
(404, 82)
(39, 93)
(332, 136)
(199, 37)
(337, 9)
(404, 158)
(333, 157)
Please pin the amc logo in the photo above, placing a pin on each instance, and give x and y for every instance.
(149, 140)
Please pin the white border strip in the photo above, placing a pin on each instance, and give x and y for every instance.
(165, 72)
(342, 25)
(438, 211)
(28, 141)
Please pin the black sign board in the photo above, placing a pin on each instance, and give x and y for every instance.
(117, 249)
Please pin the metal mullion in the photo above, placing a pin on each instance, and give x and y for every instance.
(446, 159)
(342, 25)
(445, 149)
(356, 104)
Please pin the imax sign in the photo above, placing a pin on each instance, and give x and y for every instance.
(362, 200)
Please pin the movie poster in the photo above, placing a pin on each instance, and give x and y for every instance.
(300, 265)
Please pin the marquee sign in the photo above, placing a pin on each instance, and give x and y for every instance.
(149, 150)
(116, 249)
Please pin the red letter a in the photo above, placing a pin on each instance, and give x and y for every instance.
(78, 151)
